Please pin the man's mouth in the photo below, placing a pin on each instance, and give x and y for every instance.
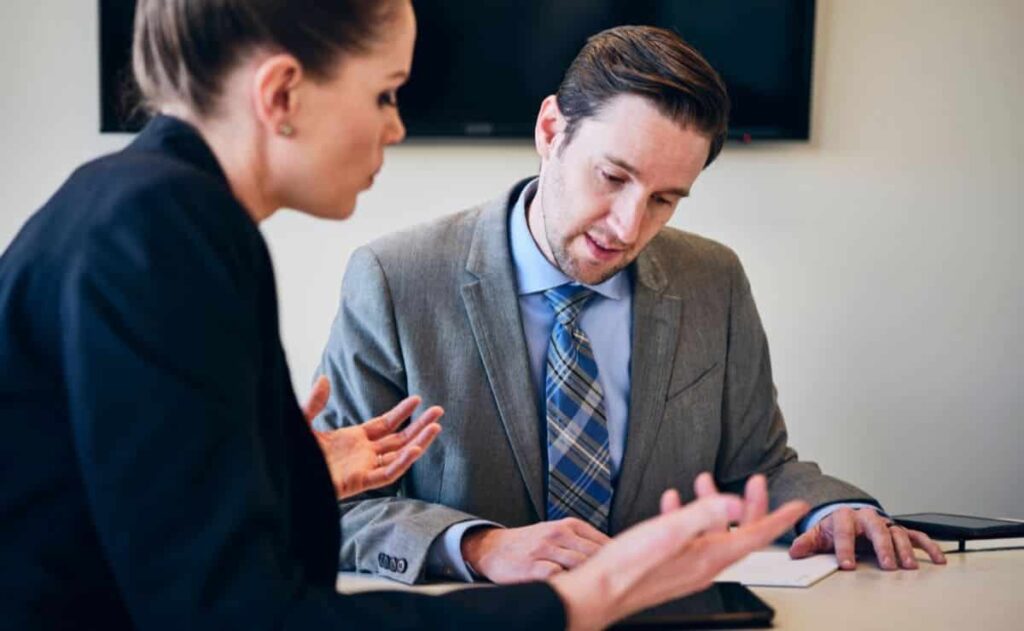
(599, 251)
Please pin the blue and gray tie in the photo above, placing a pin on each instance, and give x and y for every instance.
(579, 464)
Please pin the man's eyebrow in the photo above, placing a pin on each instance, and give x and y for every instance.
(398, 74)
(632, 170)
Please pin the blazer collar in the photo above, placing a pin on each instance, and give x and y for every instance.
(167, 134)
(492, 307)
(648, 269)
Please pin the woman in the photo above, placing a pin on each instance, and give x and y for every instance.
(158, 472)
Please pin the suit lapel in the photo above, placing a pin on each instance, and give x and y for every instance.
(655, 333)
(492, 305)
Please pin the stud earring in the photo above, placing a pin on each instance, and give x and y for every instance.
(286, 130)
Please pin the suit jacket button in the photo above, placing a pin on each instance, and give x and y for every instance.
(382, 560)
(403, 565)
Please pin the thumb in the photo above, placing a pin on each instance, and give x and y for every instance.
(317, 398)
(805, 545)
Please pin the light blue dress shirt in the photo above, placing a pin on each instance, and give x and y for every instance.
(607, 319)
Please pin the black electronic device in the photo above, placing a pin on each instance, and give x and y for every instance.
(482, 68)
(723, 605)
(947, 527)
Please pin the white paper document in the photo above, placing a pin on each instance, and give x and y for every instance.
(774, 568)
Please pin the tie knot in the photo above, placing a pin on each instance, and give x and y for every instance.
(567, 301)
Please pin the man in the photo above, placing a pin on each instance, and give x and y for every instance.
(588, 356)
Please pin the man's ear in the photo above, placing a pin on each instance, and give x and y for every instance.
(275, 96)
(549, 133)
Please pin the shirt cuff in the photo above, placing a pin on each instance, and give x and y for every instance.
(821, 513)
(444, 558)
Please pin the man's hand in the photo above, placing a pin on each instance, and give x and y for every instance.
(672, 555)
(843, 529)
(371, 455)
(531, 553)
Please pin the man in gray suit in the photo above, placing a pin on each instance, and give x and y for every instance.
(588, 357)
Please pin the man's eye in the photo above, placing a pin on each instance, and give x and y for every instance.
(388, 99)
(661, 201)
(614, 179)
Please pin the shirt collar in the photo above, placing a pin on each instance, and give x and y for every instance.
(534, 273)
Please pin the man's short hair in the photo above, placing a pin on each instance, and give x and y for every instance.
(653, 63)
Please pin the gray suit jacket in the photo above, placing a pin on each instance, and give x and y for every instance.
(433, 311)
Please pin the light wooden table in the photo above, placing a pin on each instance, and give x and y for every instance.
(979, 590)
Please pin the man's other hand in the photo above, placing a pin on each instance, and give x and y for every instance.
(847, 529)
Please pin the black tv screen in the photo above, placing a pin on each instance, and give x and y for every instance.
(482, 67)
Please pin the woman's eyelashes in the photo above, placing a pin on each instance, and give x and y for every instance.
(611, 178)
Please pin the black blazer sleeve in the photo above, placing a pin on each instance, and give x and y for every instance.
(163, 364)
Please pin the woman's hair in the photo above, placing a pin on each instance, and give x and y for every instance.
(653, 63)
(183, 49)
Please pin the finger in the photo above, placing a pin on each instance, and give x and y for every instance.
(394, 442)
(765, 530)
(844, 535)
(388, 458)
(391, 472)
(904, 548)
(811, 542)
(387, 422)
(704, 485)
(422, 441)
(706, 514)
(755, 498)
(923, 541)
(586, 547)
(318, 397)
(670, 501)
(426, 436)
(588, 532)
(543, 570)
(567, 558)
(877, 531)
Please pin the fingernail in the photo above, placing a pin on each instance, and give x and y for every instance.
(847, 564)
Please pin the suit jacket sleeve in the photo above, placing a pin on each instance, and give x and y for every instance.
(162, 371)
(382, 531)
(754, 431)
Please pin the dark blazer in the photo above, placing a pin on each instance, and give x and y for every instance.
(156, 468)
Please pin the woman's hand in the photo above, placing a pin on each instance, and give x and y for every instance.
(672, 555)
(371, 455)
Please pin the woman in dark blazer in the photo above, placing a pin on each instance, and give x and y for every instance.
(157, 469)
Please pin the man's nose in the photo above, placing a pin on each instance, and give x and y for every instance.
(626, 219)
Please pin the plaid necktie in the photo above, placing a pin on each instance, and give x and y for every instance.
(579, 464)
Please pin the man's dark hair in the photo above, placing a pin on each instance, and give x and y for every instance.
(183, 49)
(653, 63)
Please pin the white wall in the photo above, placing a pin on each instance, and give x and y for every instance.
(884, 254)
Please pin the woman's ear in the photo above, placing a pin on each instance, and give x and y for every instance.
(549, 131)
(275, 95)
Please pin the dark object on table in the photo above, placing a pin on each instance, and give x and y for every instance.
(960, 528)
(723, 605)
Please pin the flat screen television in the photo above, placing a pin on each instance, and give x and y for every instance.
(482, 67)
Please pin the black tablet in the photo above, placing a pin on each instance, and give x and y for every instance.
(948, 527)
(722, 605)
